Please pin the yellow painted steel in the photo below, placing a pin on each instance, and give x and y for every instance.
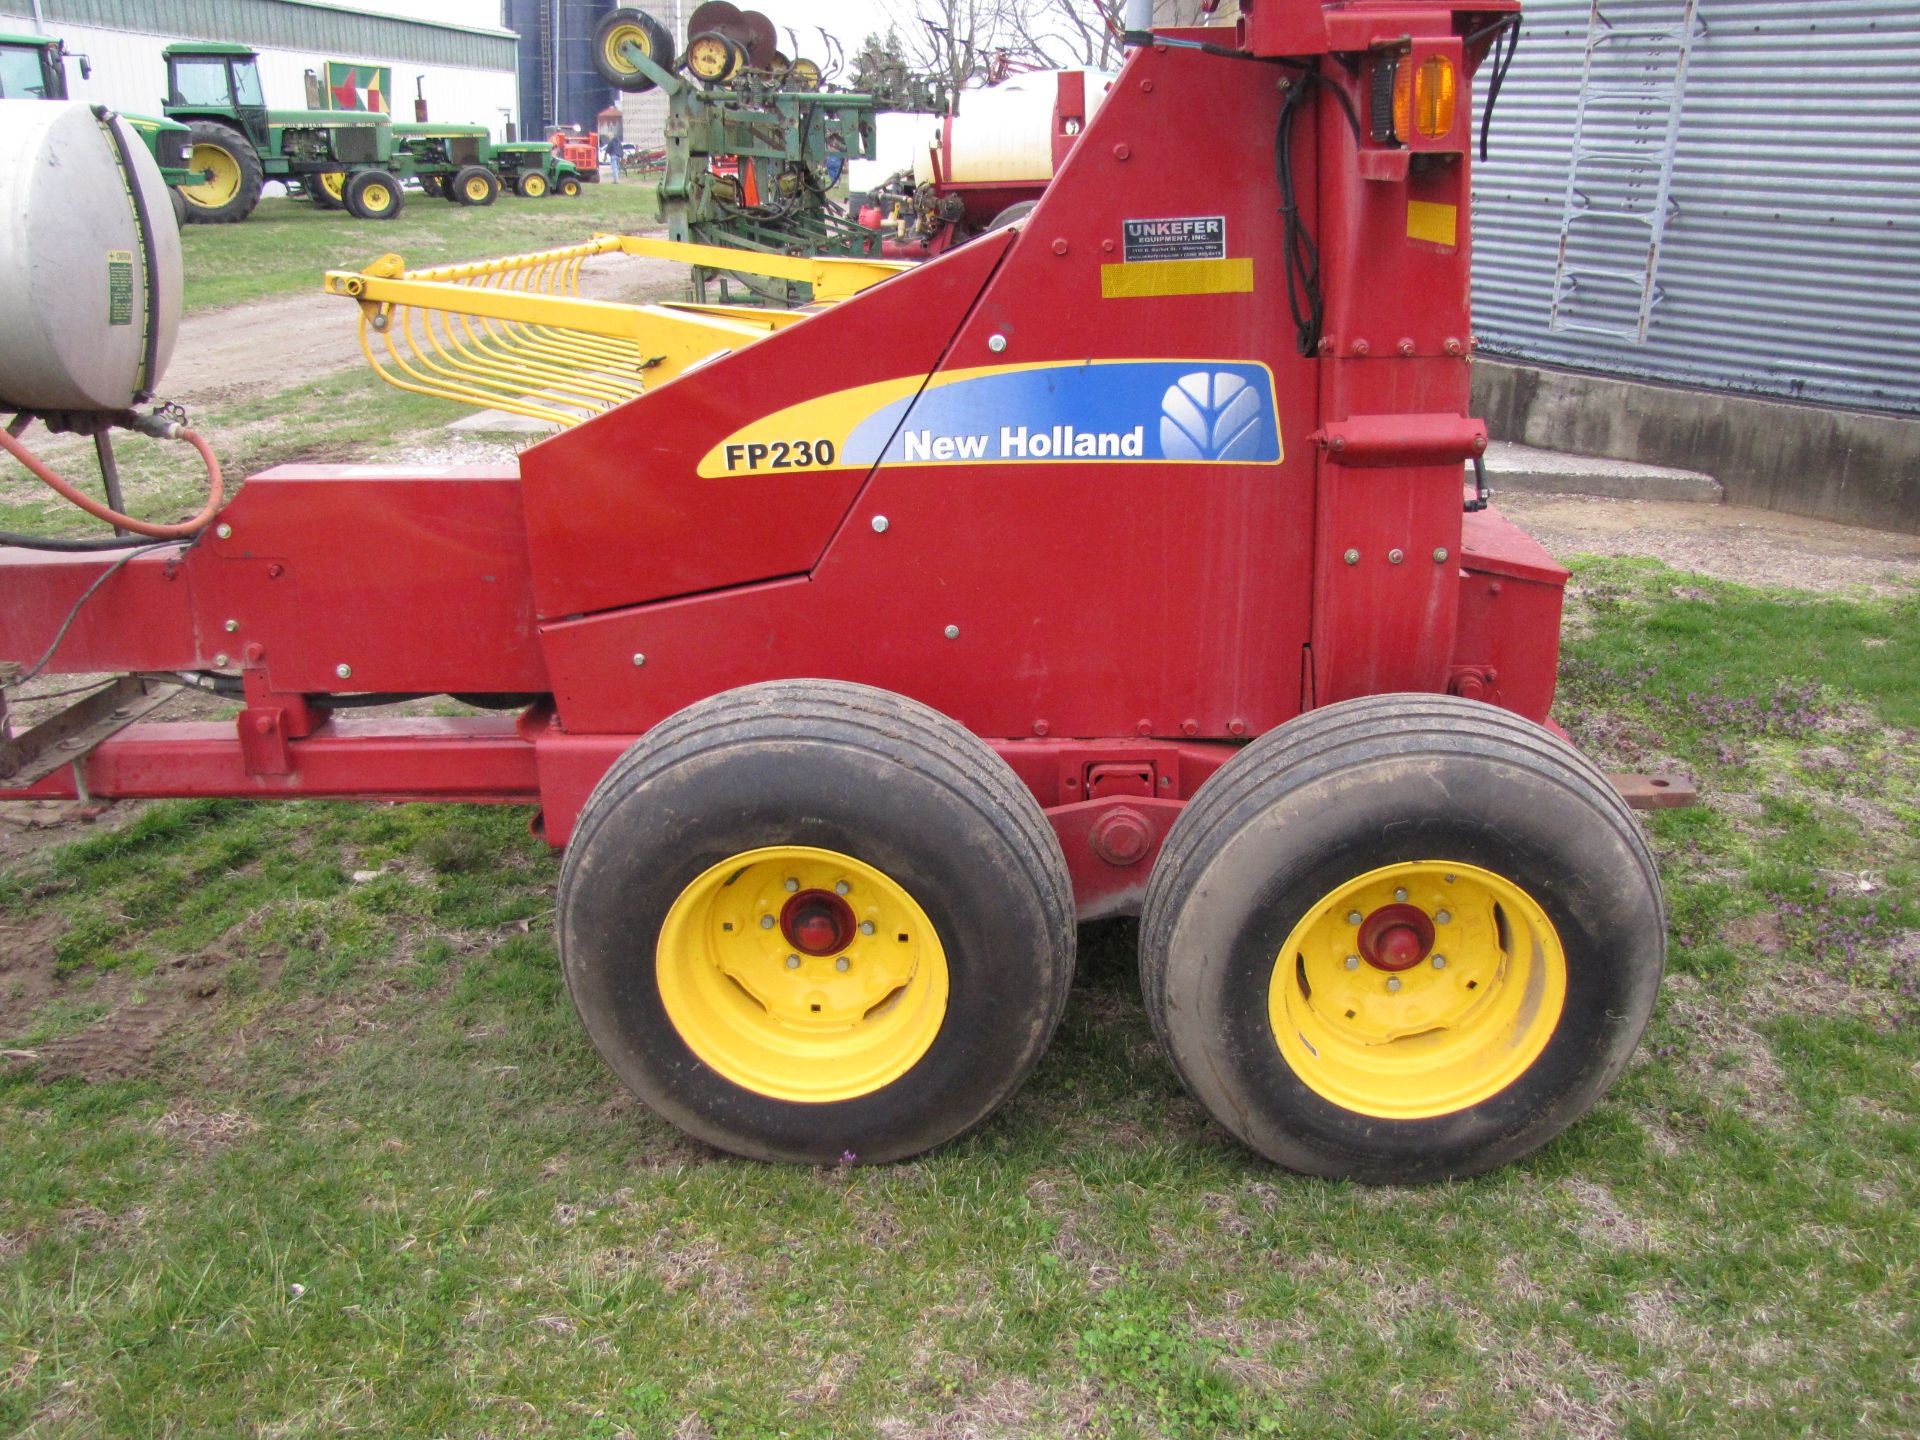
(221, 185)
(831, 278)
(515, 334)
(1444, 1035)
(785, 1024)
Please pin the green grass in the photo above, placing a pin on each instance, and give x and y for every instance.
(286, 245)
(372, 1178)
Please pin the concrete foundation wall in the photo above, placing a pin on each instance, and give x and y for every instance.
(1844, 465)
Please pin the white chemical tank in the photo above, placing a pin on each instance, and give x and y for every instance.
(89, 297)
(1004, 134)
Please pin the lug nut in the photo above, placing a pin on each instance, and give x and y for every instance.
(793, 962)
(766, 922)
(1439, 962)
(840, 887)
(1442, 916)
(792, 884)
(1353, 962)
(866, 927)
(843, 964)
(1393, 982)
(1354, 917)
(1400, 895)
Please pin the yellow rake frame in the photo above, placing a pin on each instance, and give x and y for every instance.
(515, 334)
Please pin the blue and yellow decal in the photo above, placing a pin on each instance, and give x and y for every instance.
(1209, 412)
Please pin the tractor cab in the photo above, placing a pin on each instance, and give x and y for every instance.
(33, 67)
(208, 80)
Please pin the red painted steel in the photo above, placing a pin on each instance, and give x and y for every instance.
(1113, 626)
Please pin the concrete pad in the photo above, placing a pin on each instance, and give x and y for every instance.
(500, 422)
(1526, 470)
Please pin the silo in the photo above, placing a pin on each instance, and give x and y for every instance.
(558, 84)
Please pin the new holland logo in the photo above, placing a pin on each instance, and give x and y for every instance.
(1211, 415)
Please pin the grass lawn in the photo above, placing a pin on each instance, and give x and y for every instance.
(286, 245)
(311, 1143)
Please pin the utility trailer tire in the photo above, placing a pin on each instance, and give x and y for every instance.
(232, 188)
(742, 850)
(475, 185)
(373, 195)
(1402, 938)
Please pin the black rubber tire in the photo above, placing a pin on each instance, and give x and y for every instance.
(179, 206)
(659, 47)
(569, 188)
(841, 767)
(533, 185)
(1342, 791)
(356, 196)
(252, 178)
(317, 192)
(434, 186)
(468, 183)
(1013, 214)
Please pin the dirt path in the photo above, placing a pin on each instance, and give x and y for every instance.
(245, 351)
(1728, 542)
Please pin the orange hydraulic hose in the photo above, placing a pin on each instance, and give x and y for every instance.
(93, 507)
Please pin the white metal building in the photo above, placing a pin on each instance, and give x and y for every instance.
(465, 72)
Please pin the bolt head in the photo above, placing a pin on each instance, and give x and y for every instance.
(1354, 917)
(1439, 962)
(1440, 555)
(232, 625)
(996, 343)
(223, 531)
(793, 962)
(1060, 246)
(840, 887)
(766, 922)
(880, 523)
(843, 964)
(1352, 557)
(1353, 962)
(344, 671)
(866, 927)
(1400, 895)
(1393, 982)
(952, 632)
(1442, 916)
(220, 661)
(639, 659)
(1395, 556)
(792, 884)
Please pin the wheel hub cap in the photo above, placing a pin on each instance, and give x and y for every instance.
(1442, 1014)
(841, 994)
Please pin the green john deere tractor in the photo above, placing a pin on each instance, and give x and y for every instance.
(462, 163)
(214, 88)
(34, 67)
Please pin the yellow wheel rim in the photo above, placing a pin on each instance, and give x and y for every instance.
(615, 45)
(802, 974)
(1418, 990)
(476, 188)
(710, 58)
(334, 182)
(536, 186)
(219, 187)
(805, 75)
(572, 187)
(376, 198)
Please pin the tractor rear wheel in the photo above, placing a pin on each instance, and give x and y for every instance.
(373, 195)
(1403, 938)
(816, 922)
(233, 176)
(532, 186)
(475, 185)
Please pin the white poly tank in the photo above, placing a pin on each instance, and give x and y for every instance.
(89, 297)
(1004, 134)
